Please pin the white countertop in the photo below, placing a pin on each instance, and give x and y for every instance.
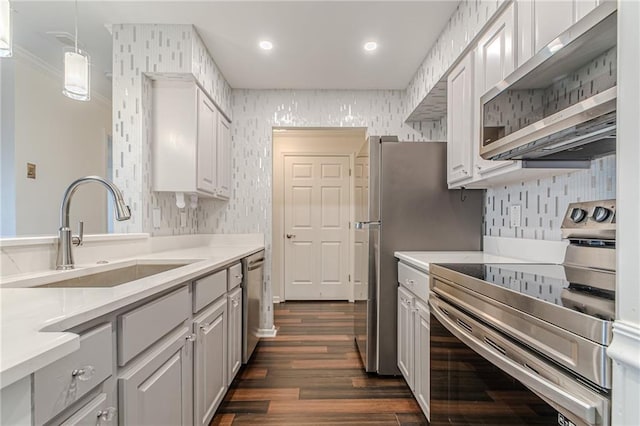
(422, 259)
(33, 320)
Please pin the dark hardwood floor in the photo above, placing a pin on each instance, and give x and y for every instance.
(311, 374)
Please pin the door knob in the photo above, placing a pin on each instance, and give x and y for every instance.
(291, 236)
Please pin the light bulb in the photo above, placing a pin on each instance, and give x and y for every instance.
(265, 45)
(76, 75)
(6, 31)
(370, 46)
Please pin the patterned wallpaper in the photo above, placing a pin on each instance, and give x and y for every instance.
(545, 201)
(464, 25)
(140, 53)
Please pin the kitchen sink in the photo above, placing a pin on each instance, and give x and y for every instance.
(113, 277)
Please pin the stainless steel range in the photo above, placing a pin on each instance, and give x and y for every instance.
(546, 326)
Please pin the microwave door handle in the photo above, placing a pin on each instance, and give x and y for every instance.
(550, 392)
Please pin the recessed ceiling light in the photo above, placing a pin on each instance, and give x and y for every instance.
(370, 46)
(265, 45)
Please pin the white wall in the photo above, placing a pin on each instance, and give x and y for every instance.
(7, 149)
(66, 139)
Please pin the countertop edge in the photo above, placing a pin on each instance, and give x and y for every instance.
(64, 343)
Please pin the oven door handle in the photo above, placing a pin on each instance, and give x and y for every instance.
(586, 409)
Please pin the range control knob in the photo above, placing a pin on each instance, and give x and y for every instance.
(600, 214)
(577, 215)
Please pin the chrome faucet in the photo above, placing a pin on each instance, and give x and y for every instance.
(65, 239)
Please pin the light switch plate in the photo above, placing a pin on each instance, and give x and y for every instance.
(31, 171)
(515, 216)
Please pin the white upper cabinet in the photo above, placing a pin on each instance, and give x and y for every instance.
(583, 7)
(495, 59)
(223, 158)
(206, 144)
(540, 21)
(191, 141)
(495, 55)
(460, 121)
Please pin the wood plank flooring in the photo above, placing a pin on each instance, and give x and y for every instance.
(311, 374)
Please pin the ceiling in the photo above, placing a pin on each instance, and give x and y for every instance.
(317, 44)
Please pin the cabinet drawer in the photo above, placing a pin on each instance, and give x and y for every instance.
(95, 412)
(60, 384)
(140, 328)
(235, 276)
(208, 289)
(415, 281)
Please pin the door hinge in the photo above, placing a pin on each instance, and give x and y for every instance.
(349, 277)
(349, 172)
(349, 225)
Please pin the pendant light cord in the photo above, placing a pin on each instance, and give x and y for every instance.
(76, 24)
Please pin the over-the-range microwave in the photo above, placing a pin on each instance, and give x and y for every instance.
(560, 105)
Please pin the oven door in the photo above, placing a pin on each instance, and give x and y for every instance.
(480, 377)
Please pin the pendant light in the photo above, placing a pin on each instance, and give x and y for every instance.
(6, 33)
(76, 69)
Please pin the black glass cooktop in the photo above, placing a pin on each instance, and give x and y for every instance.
(574, 288)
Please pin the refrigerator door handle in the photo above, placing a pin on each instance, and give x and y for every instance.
(370, 224)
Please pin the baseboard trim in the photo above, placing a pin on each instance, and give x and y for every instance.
(267, 332)
(625, 345)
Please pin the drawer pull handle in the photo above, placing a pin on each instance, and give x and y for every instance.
(106, 415)
(235, 303)
(238, 277)
(83, 374)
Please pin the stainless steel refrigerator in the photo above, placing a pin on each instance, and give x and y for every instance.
(402, 203)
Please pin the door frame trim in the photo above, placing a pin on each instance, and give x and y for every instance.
(326, 142)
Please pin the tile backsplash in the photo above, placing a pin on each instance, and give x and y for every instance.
(142, 52)
(464, 25)
(545, 201)
(515, 109)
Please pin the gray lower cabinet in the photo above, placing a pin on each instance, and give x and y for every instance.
(157, 389)
(210, 363)
(96, 412)
(234, 307)
(405, 335)
(414, 332)
(421, 349)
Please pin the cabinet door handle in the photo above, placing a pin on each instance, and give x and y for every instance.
(84, 373)
(289, 236)
(106, 415)
(191, 337)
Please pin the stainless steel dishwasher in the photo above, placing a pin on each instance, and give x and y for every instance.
(253, 275)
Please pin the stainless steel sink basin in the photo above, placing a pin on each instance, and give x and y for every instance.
(113, 277)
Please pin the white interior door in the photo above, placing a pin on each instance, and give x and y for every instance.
(316, 224)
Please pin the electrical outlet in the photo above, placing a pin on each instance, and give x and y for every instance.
(515, 216)
(183, 219)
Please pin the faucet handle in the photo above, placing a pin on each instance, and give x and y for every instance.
(78, 239)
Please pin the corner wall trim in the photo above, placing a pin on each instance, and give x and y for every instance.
(625, 345)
